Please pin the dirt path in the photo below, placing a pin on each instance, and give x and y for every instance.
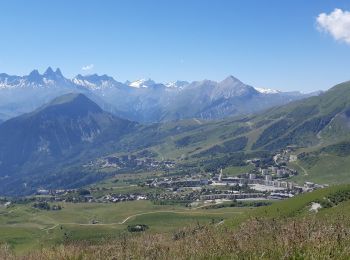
(220, 223)
(167, 211)
(53, 227)
(146, 213)
(197, 121)
(301, 167)
(132, 216)
(8, 212)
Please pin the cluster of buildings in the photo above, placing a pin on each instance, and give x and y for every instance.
(285, 156)
(255, 180)
(122, 197)
(5, 204)
(256, 186)
(232, 196)
(55, 192)
(178, 182)
(73, 195)
(131, 161)
(269, 179)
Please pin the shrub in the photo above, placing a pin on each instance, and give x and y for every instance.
(42, 205)
(137, 228)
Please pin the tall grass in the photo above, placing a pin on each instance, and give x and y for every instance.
(307, 238)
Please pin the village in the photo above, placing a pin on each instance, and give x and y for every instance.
(271, 180)
(265, 181)
(131, 161)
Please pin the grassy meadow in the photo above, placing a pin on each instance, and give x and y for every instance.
(283, 230)
(25, 228)
(328, 169)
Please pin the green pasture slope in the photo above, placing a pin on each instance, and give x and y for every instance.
(25, 228)
(299, 206)
(329, 169)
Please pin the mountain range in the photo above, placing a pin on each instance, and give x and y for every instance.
(84, 123)
(143, 100)
(50, 146)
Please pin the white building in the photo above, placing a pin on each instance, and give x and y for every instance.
(268, 178)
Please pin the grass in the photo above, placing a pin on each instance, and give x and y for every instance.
(306, 238)
(25, 228)
(329, 169)
(283, 230)
(236, 170)
(125, 179)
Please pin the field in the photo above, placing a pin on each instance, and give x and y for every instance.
(236, 170)
(285, 229)
(25, 228)
(329, 169)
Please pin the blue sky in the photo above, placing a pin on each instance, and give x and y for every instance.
(273, 44)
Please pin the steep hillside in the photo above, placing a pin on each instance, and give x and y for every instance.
(326, 164)
(315, 121)
(318, 127)
(57, 132)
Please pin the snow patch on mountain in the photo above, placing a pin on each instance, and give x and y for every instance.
(267, 91)
(143, 100)
(94, 81)
(142, 83)
(84, 83)
(177, 84)
(49, 79)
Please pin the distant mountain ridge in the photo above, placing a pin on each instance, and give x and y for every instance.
(52, 145)
(34, 79)
(143, 100)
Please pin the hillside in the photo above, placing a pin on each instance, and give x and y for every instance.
(315, 121)
(37, 142)
(314, 126)
(326, 164)
(89, 134)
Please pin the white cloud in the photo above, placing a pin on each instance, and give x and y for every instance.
(337, 24)
(87, 67)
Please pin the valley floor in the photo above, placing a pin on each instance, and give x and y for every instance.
(25, 228)
(289, 229)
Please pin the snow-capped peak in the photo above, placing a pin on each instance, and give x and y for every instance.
(177, 84)
(142, 83)
(267, 91)
(95, 81)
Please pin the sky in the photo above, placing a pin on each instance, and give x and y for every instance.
(286, 45)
